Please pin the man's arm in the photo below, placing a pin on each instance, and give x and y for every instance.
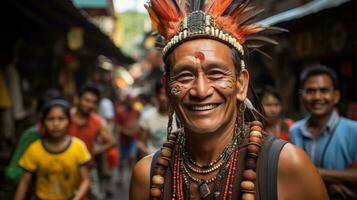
(339, 181)
(347, 176)
(84, 185)
(140, 179)
(297, 176)
(23, 186)
(107, 137)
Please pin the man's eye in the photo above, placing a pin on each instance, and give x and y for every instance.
(184, 77)
(215, 74)
(325, 90)
(309, 91)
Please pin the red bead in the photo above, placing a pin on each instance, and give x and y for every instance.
(249, 175)
(162, 162)
(256, 123)
(253, 149)
(256, 128)
(169, 144)
(155, 192)
(230, 185)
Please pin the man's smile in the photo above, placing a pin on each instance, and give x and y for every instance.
(204, 107)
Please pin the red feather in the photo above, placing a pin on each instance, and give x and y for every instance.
(217, 7)
(165, 10)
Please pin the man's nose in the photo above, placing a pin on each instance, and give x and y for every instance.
(317, 94)
(202, 87)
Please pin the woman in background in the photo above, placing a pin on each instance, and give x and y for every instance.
(276, 124)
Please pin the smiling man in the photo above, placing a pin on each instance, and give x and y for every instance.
(330, 140)
(220, 150)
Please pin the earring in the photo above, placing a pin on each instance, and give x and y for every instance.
(241, 121)
(170, 122)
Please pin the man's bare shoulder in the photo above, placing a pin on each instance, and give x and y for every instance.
(297, 176)
(293, 159)
(140, 179)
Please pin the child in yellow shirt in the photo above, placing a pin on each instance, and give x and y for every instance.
(57, 160)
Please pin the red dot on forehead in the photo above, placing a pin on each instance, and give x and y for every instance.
(200, 56)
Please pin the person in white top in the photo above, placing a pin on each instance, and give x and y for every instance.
(153, 123)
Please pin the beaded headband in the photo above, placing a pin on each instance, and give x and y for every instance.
(199, 25)
(227, 21)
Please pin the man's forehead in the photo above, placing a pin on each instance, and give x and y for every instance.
(319, 80)
(202, 49)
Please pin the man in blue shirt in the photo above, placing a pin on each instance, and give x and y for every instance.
(329, 139)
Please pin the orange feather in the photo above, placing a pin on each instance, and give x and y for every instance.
(165, 10)
(217, 7)
(154, 19)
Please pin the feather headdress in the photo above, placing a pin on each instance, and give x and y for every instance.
(223, 20)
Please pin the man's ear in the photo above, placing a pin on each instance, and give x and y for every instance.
(337, 96)
(242, 85)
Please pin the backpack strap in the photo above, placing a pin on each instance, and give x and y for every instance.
(268, 168)
(152, 168)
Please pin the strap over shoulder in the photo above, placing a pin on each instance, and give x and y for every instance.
(267, 171)
(153, 165)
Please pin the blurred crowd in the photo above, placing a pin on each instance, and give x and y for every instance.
(86, 147)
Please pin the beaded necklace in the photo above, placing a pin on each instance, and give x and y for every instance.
(249, 175)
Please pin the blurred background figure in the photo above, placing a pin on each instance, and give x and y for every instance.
(126, 121)
(110, 159)
(276, 123)
(57, 161)
(13, 171)
(153, 122)
(328, 138)
(88, 126)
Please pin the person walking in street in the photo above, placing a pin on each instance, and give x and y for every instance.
(328, 138)
(153, 123)
(110, 159)
(57, 161)
(220, 150)
(89, 126)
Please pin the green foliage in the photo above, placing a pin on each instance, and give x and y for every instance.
(133, 24)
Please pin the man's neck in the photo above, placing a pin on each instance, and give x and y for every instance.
(205, 148)
(316, 124)
(81, 118)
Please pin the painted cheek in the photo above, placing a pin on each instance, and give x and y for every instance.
(226, 83)
(177, 89)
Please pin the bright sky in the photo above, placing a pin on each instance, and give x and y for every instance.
(124, 5)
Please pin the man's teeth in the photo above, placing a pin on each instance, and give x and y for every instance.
(202, 108)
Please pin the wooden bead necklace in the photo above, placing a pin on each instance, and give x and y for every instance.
(254, 146)
(223, 156)
(203, 171)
